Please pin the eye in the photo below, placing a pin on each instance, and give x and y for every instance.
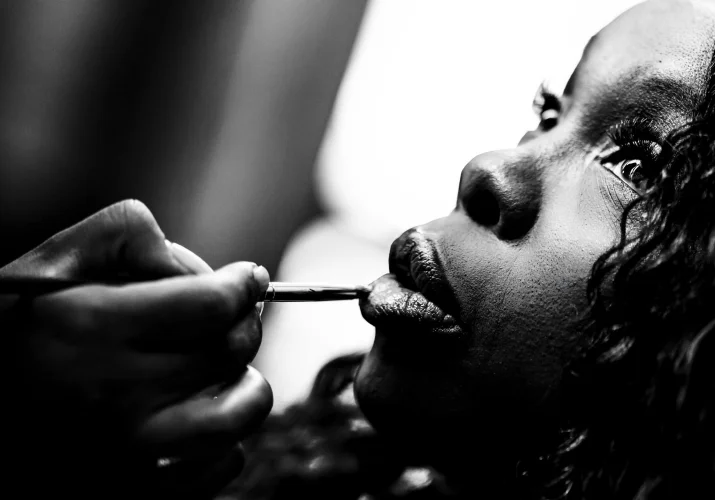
(634, 172)
(637, 155)
(631, 171)
(547, 107)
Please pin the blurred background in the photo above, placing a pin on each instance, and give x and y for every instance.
(304, 135)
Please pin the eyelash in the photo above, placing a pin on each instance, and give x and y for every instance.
(547, 106)
(631, 136)
(634, 143)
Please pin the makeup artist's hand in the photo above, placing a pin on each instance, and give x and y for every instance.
(101, 381)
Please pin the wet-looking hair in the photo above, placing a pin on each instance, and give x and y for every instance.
(640, 421)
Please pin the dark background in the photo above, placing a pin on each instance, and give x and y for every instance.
(210, 112)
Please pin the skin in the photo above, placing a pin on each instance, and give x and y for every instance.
(123, 375)
(520, 283)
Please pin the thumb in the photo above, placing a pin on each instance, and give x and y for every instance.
(123, 239)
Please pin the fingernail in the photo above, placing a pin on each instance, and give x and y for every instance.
(259, 308)
(188, 259)
(260, 274)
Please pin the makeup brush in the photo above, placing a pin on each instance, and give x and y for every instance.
(277, 291)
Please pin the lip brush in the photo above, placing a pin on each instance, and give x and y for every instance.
(277, 291)
(312, 292)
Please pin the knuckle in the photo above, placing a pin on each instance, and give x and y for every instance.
(126, 215)
(133, 213)
(131, 207)
(115, 222)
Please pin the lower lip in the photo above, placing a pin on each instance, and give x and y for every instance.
(394, 308)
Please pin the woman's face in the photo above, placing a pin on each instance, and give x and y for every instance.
(477, 318)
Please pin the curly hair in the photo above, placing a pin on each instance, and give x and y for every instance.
(639, 402)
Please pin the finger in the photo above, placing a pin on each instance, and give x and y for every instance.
(167, 315)
(186, 427)
(244, 339)
(189, 259)
(189, 312)
(123, 238)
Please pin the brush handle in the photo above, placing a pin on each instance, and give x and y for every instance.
(277, 291)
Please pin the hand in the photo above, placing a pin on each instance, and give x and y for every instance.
(104, 380)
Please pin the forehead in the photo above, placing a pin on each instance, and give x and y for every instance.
(657, 55)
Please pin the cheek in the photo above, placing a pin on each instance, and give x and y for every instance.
(523, 304)
(524, 334)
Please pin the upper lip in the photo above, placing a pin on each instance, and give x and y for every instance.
(416, 264)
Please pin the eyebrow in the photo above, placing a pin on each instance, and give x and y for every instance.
(681, 96)
(650, 99)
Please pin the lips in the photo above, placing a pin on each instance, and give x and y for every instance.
(415, 297)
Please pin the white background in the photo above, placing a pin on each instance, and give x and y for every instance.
(431, 84)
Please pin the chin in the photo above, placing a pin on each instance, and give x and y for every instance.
(410, 407)
(420, 428)
(436, 412)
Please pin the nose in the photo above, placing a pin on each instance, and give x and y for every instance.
(502, 191)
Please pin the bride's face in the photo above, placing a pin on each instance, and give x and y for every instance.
(477, 319)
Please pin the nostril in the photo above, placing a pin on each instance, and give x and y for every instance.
(483, 207)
